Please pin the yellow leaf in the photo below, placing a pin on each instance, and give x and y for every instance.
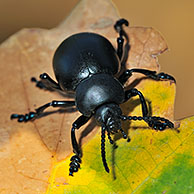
(136, 166)
(27, 150)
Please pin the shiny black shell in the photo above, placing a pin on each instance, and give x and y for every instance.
(81, 55)
(97, 90)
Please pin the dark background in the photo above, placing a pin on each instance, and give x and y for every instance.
(174, 19)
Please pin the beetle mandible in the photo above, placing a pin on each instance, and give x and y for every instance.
(86, 64)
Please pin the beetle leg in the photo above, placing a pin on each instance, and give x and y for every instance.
(151, 74)
(154, 122)
(120, 40)
(40, 110)
(46, 82)
(75, 159)
(134, 92)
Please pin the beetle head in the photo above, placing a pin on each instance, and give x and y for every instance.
(109, 115)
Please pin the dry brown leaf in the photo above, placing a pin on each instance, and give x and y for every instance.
(26, 150)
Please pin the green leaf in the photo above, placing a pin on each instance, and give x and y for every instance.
(152, 162)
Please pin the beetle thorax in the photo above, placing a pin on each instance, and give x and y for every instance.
(97, 90)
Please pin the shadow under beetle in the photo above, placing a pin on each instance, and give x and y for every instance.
(86, 63)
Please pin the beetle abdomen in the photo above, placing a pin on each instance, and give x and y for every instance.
(81, 55)
(97, 90)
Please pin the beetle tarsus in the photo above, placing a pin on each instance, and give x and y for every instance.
(76, 159)
(24, 118)
(33, 115)
(118, 25)
(74, 165)
(46, 83)
(39, 84)
(164, 76)
(155, 123)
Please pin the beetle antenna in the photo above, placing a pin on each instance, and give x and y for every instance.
(157, 123)
(103, 153)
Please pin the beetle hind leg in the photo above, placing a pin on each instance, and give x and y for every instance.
(120, 40)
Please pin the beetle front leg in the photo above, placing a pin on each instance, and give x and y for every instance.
(157, 123)
(151, 74)
(33, 115)
(76, 159)
(135, 92)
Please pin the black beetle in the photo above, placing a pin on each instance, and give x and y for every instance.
(86, 63)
